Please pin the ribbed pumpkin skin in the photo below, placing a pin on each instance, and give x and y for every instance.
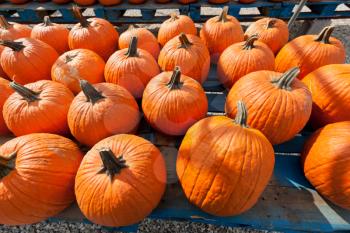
(42, 184)
(78, 64)
(31, 64)
(275, 36)
(137, 188)
(47, 115)
(330, 89)
(5, 92)
(326, 162)
(222, 167)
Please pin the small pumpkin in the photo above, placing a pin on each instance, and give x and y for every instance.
(174, 26)
(279, 105)
(129, 173)
(95, 34)
(310, 52)
(100, 111)
(189, 53)
(131, 68)
(5, 92)
(326, 163)
(271, 31)
(223, 165)
(13, 31)
(173, 102)
(39, 107)
(27, 60)
(85, 2)
(76, 65)
(37, 174)
(52, 34)
(146, 40)
(330, 89)
(243, 58)
(220, 32)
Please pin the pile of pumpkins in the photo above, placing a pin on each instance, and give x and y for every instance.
(77, 82)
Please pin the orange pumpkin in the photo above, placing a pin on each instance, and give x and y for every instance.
(13, 31)
(174, 26)
(189, 53)
(330, 89)
(220, 32)
(52, 34)
(95, 34)
(109, 2)
(39, 107)
(223, 165)
(310, 52)
(100, 111)
(129, 173)
(279, 105)
(146, 40)
(76, 65)
(5, 92)
(173, 102)
(37, 174)
(85, 2)
(271, 31)
(325, 160)
(243, 58)
(131, 68)
(27, 60)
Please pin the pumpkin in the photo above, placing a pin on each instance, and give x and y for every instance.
(271, 31)
(37, 174)
(52, 34)
(131, 68)
(95, 34)
(100, 111)
(220, 32)
(243, 58)
(2, 72)
(330, 89)
(146, 40)
(5, 92)
(27, 60)
(13, 31)
(326, 163)
(76, 65)
(39, 107)
(279, 105)
(173, 102)
(109, 2)
(174, 26)
(310, 52)
(85, 2)
(223, 165)
(189, 53)
(128, 173)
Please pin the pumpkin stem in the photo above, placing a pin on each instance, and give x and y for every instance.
(174, 82)
(90, 92)
(77, 13)
(173, 16)
(26, 93)
(131, 27)
(325, 34)
(47, 21)
(132, 50)
(3, 22)
(223, 15)
(271, 23)
(185, 43)
(112, 165)
(7, 164)
(70, 57)
(287, 78)
(242, 115)
(249, 44)
(15, 45)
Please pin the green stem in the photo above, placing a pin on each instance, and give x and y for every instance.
(223, 15)
(242, 115)
(185, 43)
(26, 93)
(77, 13)
(90, 92)
(15, 45)
(249, 44)
(287, 78)
(132, 50)
(112, 165)
(3, 22)
(174, 82)
(325, 34)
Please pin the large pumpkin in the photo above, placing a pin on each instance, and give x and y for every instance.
(220, 32)
(310, 52)
(279, 105)
(37, 174)
(326, 163)
(330, 89)
(120, 180)
(13, 31)
(173, 102)
(100, 111)
(95, 34)
(243, 58)
(174, 26)
(27, 60)
(189, 53)
(223, 165)
(78, 64)
(5, 92)
(39, 107)
(271, 31)
(131, 68)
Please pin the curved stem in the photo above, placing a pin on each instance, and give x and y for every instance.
(3, 22)
(185, 43)
(173, 16)
(242, 115)
(249, 44)
(26, 93)
(325, 34)
(174, 82)
(112, 165)
(7, 164)
(16, 46)
(47, 21)
(132, 50)
(77, 13)
(271, 23)
(90, 92)
(287, 78)
(223, 15)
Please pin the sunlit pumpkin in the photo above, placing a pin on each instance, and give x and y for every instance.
(5, 92)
